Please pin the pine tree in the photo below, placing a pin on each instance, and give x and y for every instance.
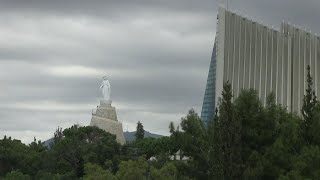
(215, 151)
(171, 128)
(58, 135)
(308, 107)
(230, 134)
(140, 131)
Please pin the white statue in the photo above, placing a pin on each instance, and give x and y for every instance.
(106, 88)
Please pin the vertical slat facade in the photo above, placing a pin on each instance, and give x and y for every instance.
(247, 55)
(252, 55)
(318, 66)
(296, 72)
(269, 63)
(236, 56)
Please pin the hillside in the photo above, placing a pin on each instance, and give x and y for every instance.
(130, 135)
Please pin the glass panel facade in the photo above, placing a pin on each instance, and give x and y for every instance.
(208, 106)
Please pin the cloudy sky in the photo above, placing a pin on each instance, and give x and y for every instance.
(155, 52)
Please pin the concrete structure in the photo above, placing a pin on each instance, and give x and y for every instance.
(105, 117)
(252, 55)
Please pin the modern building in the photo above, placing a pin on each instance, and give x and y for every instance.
(249, 54)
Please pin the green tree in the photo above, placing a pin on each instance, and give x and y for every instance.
(308, 106)
(314, 133)
(175, 136)
(17, 175)
(58, 135)
(140, 131)
(35, 160)
(167, 172)
(44, 175)
(193, 143)
(149, 147)
(215, 148)
(306, 165)
(172, 128)
(278, 143)
(230, 133)
(14, 155)
(82, 145)
(133, 170)
(254, 127)
(96, 172)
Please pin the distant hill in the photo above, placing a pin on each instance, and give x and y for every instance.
(129, 136)
(48, 142)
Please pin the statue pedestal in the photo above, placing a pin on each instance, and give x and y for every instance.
(105, 118)
(105, 102)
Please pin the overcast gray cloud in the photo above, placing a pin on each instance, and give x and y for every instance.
(156, 53)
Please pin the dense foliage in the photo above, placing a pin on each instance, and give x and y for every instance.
(247, 139)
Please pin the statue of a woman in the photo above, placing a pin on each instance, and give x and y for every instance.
(106, 88)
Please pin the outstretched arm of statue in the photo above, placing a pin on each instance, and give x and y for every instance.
(101, 85)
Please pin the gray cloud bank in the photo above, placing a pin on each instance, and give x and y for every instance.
(156, 52)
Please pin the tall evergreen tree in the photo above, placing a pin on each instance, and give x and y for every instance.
(140, 131)
(249, 113)
(230, 133)
(215, 148)
(308, 107)
(58, 135)
(171, 128)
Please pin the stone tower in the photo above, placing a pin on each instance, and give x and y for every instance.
(105, 117)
